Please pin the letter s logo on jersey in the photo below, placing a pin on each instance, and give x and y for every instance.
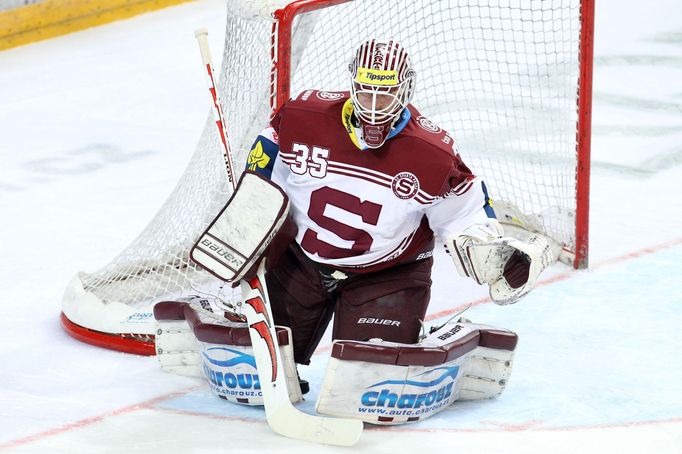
(405, 185)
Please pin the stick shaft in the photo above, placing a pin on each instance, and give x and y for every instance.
(217, 106)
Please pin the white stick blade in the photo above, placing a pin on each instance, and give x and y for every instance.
(292, 423)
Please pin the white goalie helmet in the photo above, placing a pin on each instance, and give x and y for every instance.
(382, 85)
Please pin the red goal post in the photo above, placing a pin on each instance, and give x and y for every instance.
(509, 79)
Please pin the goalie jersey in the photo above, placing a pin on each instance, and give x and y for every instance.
(359, 209)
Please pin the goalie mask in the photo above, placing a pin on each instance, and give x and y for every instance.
(382, 85)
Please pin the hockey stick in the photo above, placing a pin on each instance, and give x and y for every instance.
(282, 416)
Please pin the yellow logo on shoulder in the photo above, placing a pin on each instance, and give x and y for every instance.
(377, 76)
(257, 157)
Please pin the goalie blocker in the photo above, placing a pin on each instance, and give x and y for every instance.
(257, 216)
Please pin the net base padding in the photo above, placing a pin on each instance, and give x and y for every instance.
(113, 325)
(127, 343)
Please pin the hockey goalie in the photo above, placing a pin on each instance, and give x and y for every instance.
(344, 198)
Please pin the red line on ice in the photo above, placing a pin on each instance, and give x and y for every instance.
(94, 419)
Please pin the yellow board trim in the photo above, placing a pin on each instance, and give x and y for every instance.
(50, 18)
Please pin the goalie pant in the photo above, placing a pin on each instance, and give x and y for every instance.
(389, 304)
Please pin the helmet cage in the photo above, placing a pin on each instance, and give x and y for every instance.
(378, 105)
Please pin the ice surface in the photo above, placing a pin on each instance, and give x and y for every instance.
(96, 128)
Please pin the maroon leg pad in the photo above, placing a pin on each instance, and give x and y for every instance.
(389, 304)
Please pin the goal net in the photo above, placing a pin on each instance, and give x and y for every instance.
(504, 77)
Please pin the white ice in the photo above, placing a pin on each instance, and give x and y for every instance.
(96, 128)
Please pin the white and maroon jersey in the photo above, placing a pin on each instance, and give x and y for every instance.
(366, 209)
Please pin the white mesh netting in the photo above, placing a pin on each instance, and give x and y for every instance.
(500, 75)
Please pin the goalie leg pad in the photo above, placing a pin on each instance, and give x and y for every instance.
(391, 383)
(221, 349)
(228, 361)
(488, 373)
(177, 349)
